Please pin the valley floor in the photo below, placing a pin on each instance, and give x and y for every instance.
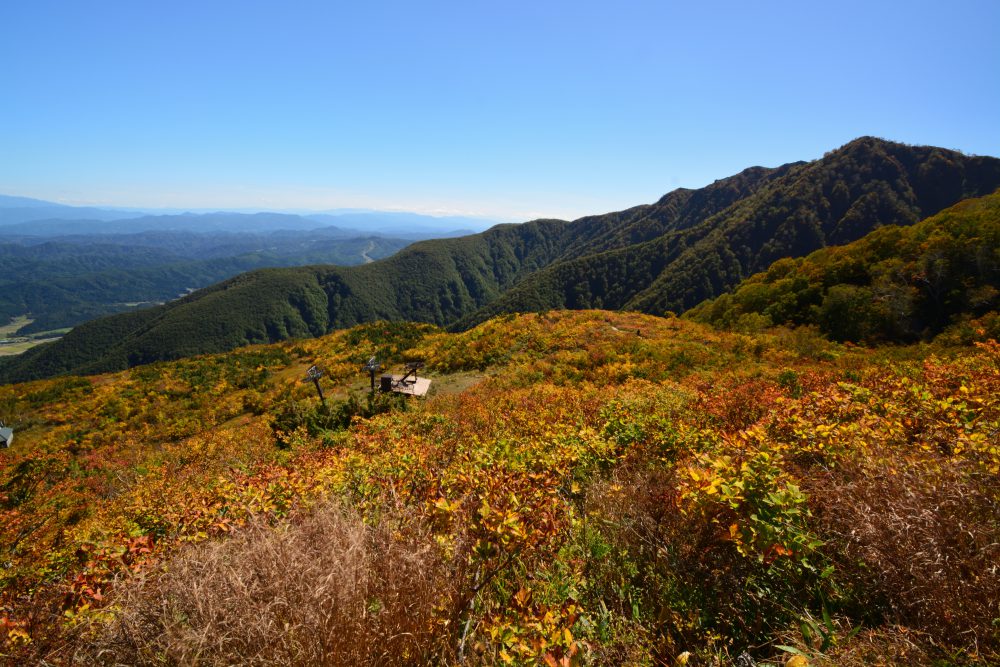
(11, 344)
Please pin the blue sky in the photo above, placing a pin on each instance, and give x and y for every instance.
(511, 110)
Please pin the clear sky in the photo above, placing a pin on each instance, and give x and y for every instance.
(506, 109)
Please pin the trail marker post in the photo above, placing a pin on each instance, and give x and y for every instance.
(373, 367)
(315, 374)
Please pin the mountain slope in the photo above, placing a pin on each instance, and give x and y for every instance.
(896, 283)
(689, 246)
(429, 281)
(647, 491)
(866, 184)
(61, 284)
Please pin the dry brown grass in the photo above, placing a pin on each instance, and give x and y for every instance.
(325, 590)
(915, 545)
(918, 545)
(887, 646)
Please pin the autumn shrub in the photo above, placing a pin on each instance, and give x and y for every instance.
(325, 590)
(644, 418)
(916, 543)
(723, 560)
(320, 420)
(789, 381)
(384, 339)
(967, 331)
(805, 341)
(736, 403)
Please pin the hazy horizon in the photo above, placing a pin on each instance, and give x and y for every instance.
(149, 210)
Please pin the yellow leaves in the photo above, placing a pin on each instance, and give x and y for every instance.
(18, 636)
(446, 506)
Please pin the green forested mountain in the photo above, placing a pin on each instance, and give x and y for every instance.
(864, 185)
(896, 283)
(689, 246)
(430, 281)
(61, 283)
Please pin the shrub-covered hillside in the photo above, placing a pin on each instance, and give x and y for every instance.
(580, 488)
(897, 283)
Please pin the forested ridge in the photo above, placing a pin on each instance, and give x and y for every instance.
(669, 256)
(65, 281)
(895, 284)
(864, 185)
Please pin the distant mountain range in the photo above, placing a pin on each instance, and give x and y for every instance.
(63, 265)
(14, 210)
(22, 216)
(689, 246)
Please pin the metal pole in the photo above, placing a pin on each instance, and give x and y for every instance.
(315, 374)
(320, 390)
